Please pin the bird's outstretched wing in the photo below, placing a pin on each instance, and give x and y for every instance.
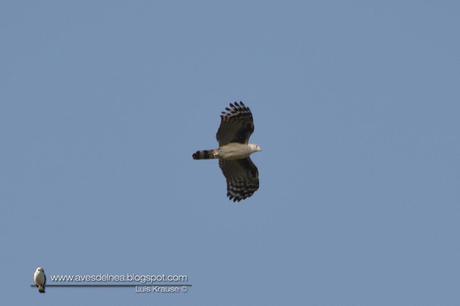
(242, 178)
(236, 124)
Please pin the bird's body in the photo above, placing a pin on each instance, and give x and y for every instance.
(229, 151)
(234, 150)
(40, 279)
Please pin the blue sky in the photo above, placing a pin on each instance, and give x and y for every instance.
(356, 106)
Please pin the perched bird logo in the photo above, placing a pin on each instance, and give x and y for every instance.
(40, 279)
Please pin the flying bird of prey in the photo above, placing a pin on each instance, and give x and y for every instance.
(40, 279)
(236, 126)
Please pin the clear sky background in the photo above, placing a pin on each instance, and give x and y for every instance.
(356, 105)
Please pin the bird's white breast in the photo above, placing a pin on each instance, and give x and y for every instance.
(234, 151)
(39, 278)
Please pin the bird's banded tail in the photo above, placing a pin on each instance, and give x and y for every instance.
(205, 154)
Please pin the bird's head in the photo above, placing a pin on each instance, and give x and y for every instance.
(255, 148)
(40, 269)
